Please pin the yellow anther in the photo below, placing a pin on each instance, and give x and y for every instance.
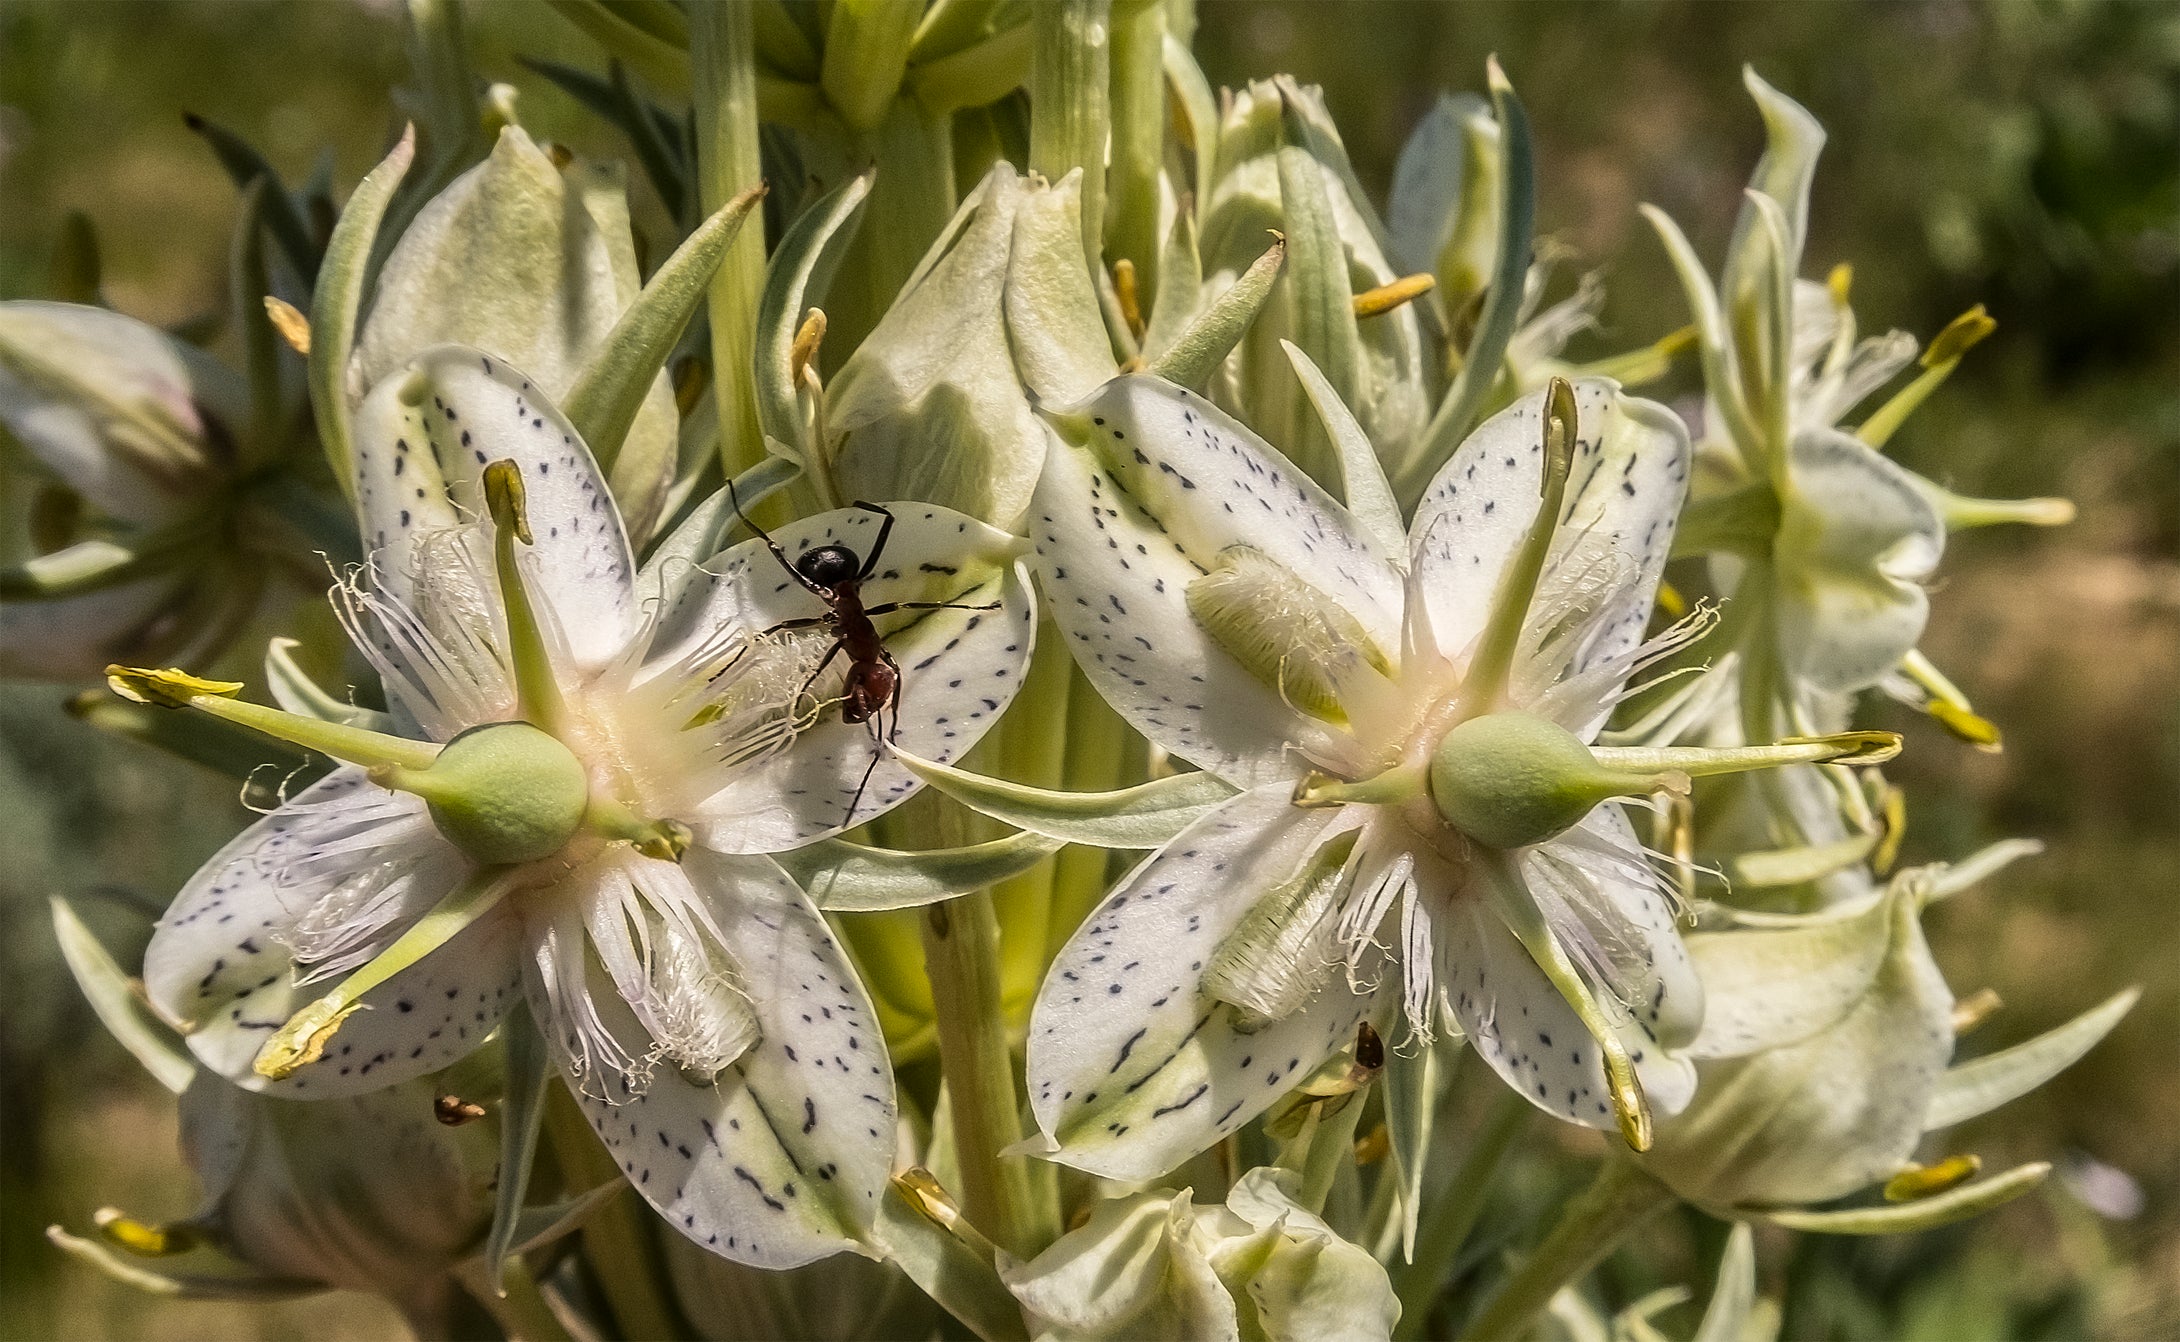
(1386, 297)
(1922, 1181)
(166, 687)
(1671, 601)
(1125, 291)
(292, 325)
(803, 353)
(1959, 336)
(1974, 1009)
(1967, 724)
(1893, 807)
(140, 1238)
(504, 499)
(1840, 282)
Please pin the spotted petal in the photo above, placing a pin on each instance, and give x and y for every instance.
(782, 1158)
(423, 439)
(1857, 538)
(1132, 1068)
(341, 869)
(959, 668)
(1146, 485)
(1629, 477)
(1519, 1023)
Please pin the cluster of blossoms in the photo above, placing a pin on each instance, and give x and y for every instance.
(1162, 498)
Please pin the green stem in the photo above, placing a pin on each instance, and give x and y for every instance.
(1069, 95)
(961, 951)
(616, 1238)
(1453, 1215)
(1590, 1227)
(1139, 135)
(723, 54)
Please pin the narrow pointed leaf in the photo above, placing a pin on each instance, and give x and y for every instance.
(659, 62)
(845, 877)
(282, 216)
(1368, 495)
(294, 690)
(1145, 816)
(1411, 1099)
(705, 531)
(1213, 335)
(1725, 1318)
(117, 1004)
(338, 297)
(1971, 1199)
(538, 1226)
(606, 396)
(1465, 400)
(522, 1113)
(1180, 286)
(1983, 1084)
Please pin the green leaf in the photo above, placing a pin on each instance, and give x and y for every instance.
(977, 75)
(1180, 287)
(951, 1262)
(1983, 1084)
(704, 532)
(1368, 494)
(1213, 335)
(118, 1005)
(609, 392)
(1726, 1317)
(1465, 400)
(795, 269)
(540, 1225)
(283, 217)
(1192, 97)
(337, 298)
(655, 135)
(1710, 320)
(659, 62)
(522, 1113)
(1146, 816)
(845, 877)
(294, 690)
(1971, 1199)
(1411, 1101)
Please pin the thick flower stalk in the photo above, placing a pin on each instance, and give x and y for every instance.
(1407, 719)
(587, 767)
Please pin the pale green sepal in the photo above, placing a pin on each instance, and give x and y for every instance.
(658, 61)
(846, 877)
(338, 297)
(1320, 296)
(1141, 817)
(808, 249)
(84, 567)
(119, 1006)
(1981, 1085)
(1369, 496)
(522, 1113)
(1950, 878)
(952, 1263)
(1212, 336)
(294, 690)
(1782, 177)
(1771, 987)
(606, 396)
(1777, 867)
(1192, 95)
(1180, 287)
(1411, 1100)
(1726, 1317)
(238, 1285)
(1970, 1199)
(1464, 402)
(1429, 183)
(1710, 321)
(705, 531)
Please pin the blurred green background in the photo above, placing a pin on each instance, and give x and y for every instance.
(2017, 153)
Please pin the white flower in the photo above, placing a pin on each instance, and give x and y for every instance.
(1241, 618)
(1155, 1265)
(603, 723)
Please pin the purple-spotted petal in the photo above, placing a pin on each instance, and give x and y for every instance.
(423, 439)
(781, 1158)
(1132, 1068)
(339, 871)
(1145, 487)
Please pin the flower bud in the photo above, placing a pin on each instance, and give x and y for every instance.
(932, 405)
(1513, 779)
(504, 792)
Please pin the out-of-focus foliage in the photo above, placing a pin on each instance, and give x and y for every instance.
(2020, 153)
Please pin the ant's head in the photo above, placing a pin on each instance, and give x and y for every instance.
(828, 566)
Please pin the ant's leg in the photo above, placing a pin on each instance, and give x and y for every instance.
(823, 662)
(877, 547)
(771, 544)
(892, 606)
(893, 700)
(879, 737)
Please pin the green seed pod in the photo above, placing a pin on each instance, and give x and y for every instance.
(504, 792)
(1512, 779)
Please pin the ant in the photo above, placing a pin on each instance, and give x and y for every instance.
(835, 576)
